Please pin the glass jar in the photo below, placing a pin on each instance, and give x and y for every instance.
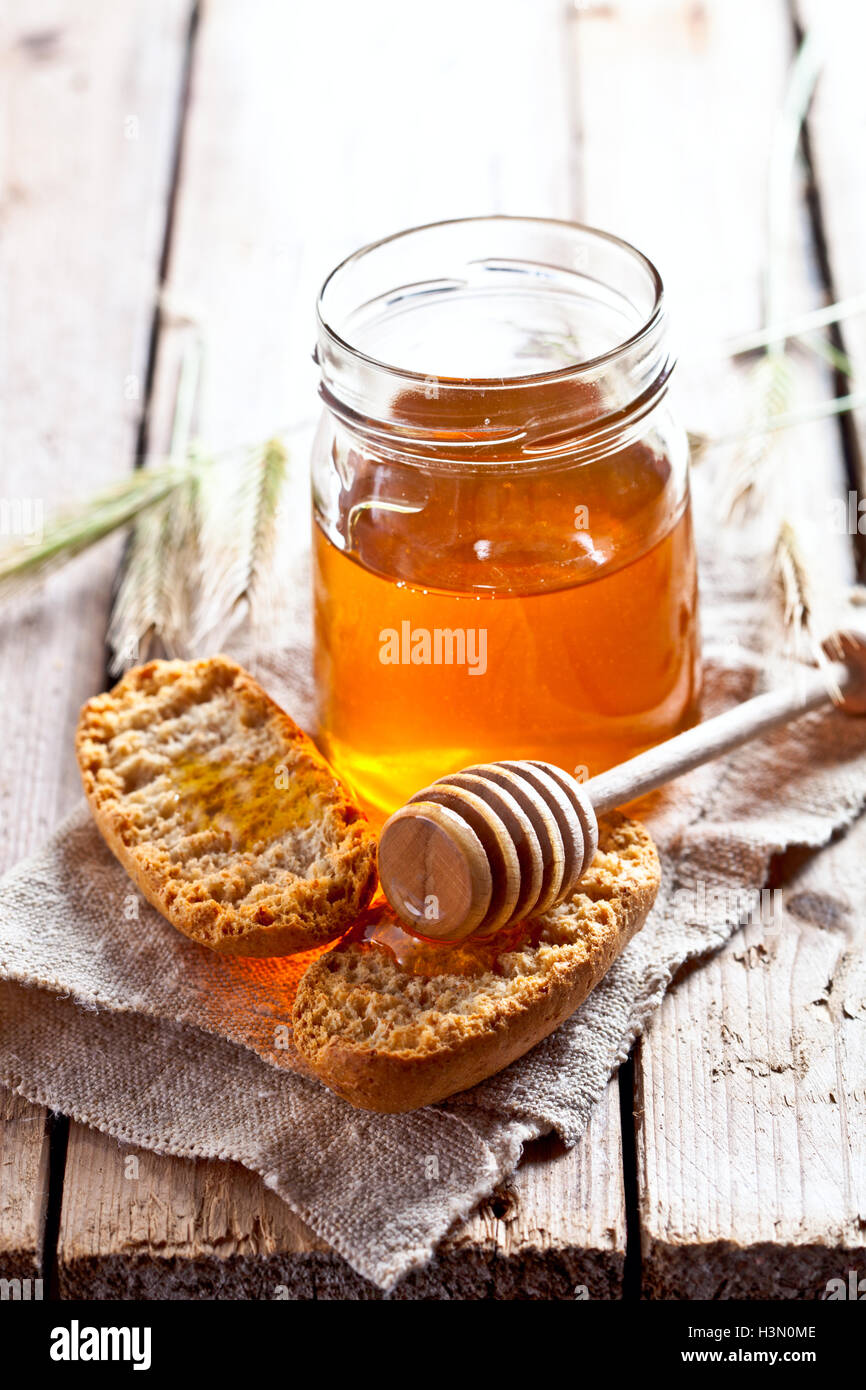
(502, 545)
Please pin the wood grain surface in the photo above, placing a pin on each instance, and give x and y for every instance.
(89, 105)
(135, 1225)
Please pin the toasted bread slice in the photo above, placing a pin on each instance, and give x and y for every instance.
(222, 810)
(389, 1039)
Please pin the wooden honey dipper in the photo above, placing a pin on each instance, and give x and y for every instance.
(488, 846)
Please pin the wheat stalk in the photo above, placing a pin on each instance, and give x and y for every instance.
(242, 531)
(795, 585)
(136, 608)
(76, 530)
(798, 590)
(796, 327)
(196, 564)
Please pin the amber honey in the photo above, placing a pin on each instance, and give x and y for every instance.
(571, 602)
(251, 805)
(376, 930)
(503, 559)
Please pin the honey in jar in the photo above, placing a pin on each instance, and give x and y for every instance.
(503, 555)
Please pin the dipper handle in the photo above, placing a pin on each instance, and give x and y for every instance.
(489, 846)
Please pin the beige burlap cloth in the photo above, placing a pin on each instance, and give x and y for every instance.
(112, 1017)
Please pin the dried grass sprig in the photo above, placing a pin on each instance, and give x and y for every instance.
(195, 565)
(76, 530)
(800, 600)
(242, 532)
(136, 612)
(792, 574)
(796, 327)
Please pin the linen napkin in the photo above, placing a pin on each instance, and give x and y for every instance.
(112, 1017)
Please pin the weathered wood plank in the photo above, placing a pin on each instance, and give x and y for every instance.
(728, 1140)
(24, 1152)
(134, 1225)
(88, 105)
(763, 1195)
(263, 212)
(138, 1226)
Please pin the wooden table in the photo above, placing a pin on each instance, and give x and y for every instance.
(174, 169)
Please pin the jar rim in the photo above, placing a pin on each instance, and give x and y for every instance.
(645, 329)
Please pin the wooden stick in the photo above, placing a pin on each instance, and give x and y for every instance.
(449, 886)
(716, 736)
